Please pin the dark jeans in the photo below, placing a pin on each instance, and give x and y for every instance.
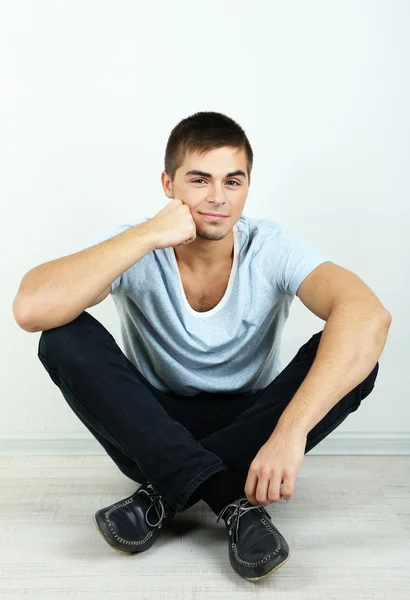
(176, 442)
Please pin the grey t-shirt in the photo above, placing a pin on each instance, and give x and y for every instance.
(233, 348)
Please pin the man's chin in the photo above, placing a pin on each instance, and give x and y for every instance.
(211, 235)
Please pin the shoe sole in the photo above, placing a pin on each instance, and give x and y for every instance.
(105, 539)
(271, 571)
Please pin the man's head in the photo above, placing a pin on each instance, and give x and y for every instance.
(217, 147)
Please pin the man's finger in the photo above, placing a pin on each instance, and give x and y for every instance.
(250, 487)
(288, 486)
(262, 489)
(274, 487)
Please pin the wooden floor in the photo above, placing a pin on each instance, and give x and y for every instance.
(347, 525)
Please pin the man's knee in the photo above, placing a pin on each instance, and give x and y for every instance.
(369, 383)
(53, 342)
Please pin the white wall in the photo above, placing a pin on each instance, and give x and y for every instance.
(90, 93)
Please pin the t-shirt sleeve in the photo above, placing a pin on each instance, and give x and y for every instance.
(297, 258)
(109, 234)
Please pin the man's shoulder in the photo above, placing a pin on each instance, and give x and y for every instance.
(261, 229)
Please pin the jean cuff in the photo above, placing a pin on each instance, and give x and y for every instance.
(183, 499)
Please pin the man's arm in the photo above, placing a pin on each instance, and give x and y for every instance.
(55, 293)
(352, 341)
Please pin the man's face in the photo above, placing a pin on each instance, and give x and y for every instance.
(212, 190)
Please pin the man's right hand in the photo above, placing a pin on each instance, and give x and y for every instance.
(173, 225)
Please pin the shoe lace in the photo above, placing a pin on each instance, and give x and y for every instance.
(241, 507)
(157, 502)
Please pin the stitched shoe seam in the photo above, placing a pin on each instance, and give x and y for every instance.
(122, 540)
(266, 558)
(115, 535)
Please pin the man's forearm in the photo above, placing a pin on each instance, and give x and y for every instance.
(349, 349)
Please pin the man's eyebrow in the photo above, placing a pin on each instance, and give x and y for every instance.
(239, 173)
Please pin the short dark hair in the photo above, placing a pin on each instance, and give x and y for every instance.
(201, 132)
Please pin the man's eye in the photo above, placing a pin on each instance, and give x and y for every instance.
(200, 179)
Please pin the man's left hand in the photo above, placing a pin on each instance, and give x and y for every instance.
(278, 461)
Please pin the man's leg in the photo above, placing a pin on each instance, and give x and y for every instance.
(119, 407)
(238, 443)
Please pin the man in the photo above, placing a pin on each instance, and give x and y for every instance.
(198, 406)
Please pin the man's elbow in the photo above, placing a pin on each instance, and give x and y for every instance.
(26, 324)
(22, 319)
(385, 317)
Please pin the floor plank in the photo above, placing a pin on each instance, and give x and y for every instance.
(347, 525)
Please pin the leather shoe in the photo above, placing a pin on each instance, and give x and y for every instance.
(126, 525)
(256, 547)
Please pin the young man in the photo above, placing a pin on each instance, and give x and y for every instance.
(198, 406)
